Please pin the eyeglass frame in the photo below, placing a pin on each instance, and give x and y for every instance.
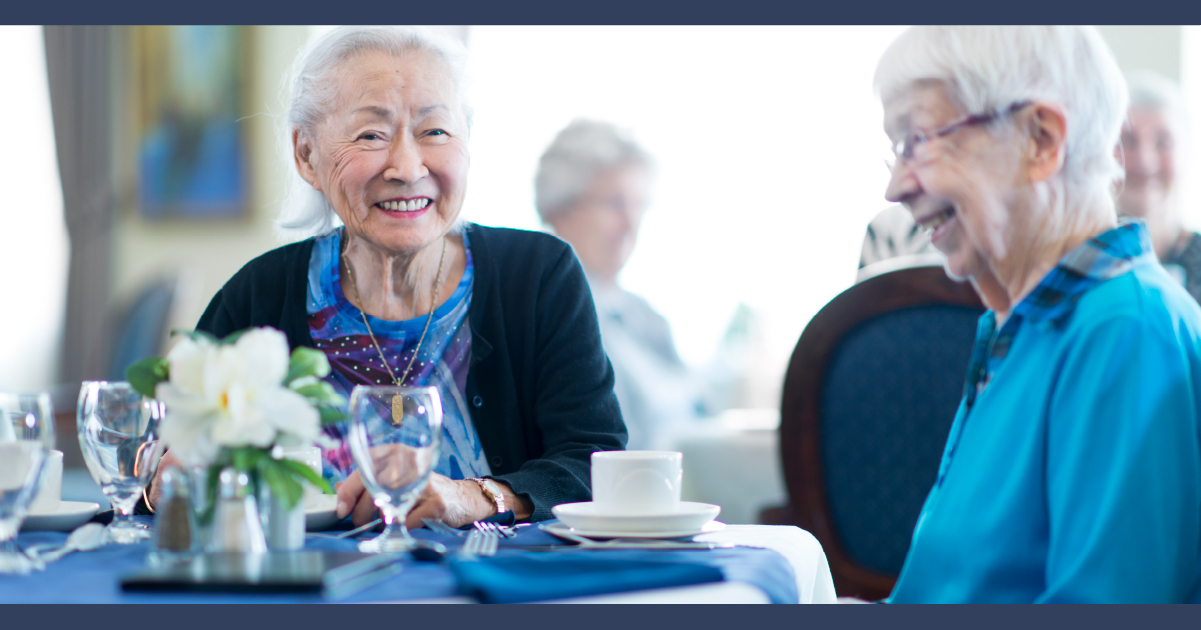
(906, 147)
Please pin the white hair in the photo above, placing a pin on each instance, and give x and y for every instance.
(1152, 91)
(580, 152)
(311, 85)
(988, 68)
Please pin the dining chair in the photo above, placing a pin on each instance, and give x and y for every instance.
(868, 400)
(141, 329)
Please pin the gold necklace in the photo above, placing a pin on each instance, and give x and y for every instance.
(397, 400)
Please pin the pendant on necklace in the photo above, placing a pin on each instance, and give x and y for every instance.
(398, 410)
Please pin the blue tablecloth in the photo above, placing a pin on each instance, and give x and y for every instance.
(94, 577)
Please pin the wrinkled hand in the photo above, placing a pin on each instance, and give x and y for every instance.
(454, 502)
(155, 490)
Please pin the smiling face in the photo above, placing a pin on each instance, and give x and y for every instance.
(602, 225)
(391, 156)
(962, 186)
(1151, 154)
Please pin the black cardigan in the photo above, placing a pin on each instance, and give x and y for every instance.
(540, 384)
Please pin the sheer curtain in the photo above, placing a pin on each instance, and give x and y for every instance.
(78, 67)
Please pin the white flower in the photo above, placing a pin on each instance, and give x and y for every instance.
(232, 396)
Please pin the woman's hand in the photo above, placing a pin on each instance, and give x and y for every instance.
(154, 491)
(454, 502)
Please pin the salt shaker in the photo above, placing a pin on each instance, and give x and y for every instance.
(236, 525)
(174, 528)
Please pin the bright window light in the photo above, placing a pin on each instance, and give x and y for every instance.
(769, 142)
(33, 238)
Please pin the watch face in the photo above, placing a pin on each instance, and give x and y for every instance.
(492, 488)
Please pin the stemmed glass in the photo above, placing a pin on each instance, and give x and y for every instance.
(118, 434)
(394, 453)
(26, 438)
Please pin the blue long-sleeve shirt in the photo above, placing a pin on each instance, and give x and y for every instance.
(1072, 472)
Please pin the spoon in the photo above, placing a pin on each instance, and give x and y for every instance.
(428, 551)
(86, 538)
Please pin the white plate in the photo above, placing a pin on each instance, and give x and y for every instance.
(65, 518)
(558, 528)
(686, 516)
(320, 513)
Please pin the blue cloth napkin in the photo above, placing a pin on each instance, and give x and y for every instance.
(527, 578)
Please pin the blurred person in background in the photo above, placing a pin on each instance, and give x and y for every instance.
(592, 188)
(1156, 143)
(394, 288)
(1072, 471)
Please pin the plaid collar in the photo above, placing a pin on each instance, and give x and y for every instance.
(1107, 255)
(1102, 257)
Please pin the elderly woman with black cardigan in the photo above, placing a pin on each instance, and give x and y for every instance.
(500, 320)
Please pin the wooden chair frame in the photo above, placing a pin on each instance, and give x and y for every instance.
(800, 408)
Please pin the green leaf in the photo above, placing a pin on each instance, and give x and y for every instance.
(302, 470)
(247, 458)
(233, 337)
(330, 414)
(307, 362)
(146, 374)
(195, 335)
(320, 391)
(281, 481)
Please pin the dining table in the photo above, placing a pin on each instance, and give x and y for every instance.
(764, 564)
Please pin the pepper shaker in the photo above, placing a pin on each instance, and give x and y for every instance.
(174, 527)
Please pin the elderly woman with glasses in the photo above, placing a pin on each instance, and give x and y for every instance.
(1072, 472)
(393, 288)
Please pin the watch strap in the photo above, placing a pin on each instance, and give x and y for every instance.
(492, 491)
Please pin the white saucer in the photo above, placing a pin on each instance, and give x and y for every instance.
(66, 517)
(686, 516)
(320, 513)
(558, 529)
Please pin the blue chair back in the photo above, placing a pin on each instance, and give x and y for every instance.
(868, 400)
(890, 395)
(139, 333)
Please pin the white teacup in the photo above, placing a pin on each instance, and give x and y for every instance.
(16, 462)
(636, 482)
(50, 492)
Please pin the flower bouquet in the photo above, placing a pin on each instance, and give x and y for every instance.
(231, 401)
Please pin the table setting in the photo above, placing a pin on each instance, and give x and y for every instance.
(249, 518)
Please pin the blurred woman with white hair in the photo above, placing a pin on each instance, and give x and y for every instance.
(1072, 472)
(593, 186)
(1155, 151)
(394, 289)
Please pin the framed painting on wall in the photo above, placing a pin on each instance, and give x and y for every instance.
(189, 141)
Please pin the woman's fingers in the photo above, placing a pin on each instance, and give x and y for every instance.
(155, 491)
(430, 505)
(354, 499)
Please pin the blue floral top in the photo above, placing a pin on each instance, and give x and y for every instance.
(337, 329)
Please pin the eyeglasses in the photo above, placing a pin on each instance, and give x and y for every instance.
(906, 147)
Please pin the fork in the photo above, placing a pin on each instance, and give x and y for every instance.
(494, 529)
(479, 544)
(436, 525)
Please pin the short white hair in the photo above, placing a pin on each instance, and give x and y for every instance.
(1149, 90)
(311, 85)
(580, 152)
(988, 68)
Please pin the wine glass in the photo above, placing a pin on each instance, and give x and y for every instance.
(26, 438)
(118, 434)
(394, 437)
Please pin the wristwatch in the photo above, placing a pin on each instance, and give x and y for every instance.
(492, 491)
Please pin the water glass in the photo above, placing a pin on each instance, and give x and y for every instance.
(395, 435)
(118, 434)
(26, 439)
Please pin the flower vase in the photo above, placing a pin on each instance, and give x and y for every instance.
(283, 526)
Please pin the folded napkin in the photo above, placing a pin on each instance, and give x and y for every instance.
(558, 575)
